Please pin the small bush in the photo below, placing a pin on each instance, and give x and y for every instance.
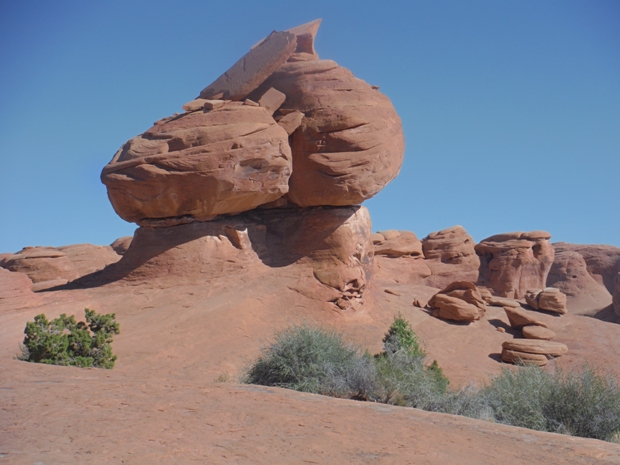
(63, 341)
(310, 359)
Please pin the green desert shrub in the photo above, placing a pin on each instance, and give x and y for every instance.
(64, 341)
(311, 359)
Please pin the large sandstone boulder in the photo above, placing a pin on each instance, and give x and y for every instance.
(512, 263)
(201, 164)
(532, 351)
(519, 318)
(549, 299)
(569, 273)
(350, 142)
(451, 256)
(459, 301)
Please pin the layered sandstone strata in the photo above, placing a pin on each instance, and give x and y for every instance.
(513, 263)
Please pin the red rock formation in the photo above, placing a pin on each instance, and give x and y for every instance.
(350, 142)
(616, 299)
(549, 299)
(88, 258)
(460, 301)
(16, 291)
(602, 261)
(42, 264)
(395, 244)
(451, 256)
(569, 273)
(201, 164)
(512, 263)
(331, 244)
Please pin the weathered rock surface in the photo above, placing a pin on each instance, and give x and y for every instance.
(460, 301)
(88, 258)
(549, 299)
(253, 68)
(537, 332)
(42, 264)
(16, 291)
(512, 263)
(602, 261)
(121, 244)
(200, 165)
(503, 302)
(450, 255)
(332, 244)
(397, 244)
(514, 356)
(616, 299)
(519, 318)
(569, 273)
(350, 142)
(536, 346)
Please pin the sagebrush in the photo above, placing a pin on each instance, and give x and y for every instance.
(582, 402)
(64, 341)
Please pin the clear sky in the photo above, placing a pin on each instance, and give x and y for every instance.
(511, 109)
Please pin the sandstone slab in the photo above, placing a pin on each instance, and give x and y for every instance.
(536, 346)
(537, 332)
(253, 68)
(512, 263)
(519, 318)
(200, 165)
(272, 100)
(516, 357)
(291, 121)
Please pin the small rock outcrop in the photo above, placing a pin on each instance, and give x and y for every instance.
(512, 263)
(42, 264)
(549, 299)
(396, 244)
(519, 318)
(121, 244)
(450, 255)
(16, 291)
(460, 301)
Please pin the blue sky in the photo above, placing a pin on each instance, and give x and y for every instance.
(511, 109)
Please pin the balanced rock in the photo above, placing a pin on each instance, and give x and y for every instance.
(537, 332)
(459, 301)
(451, 256)
(201, 164)
(512, 263)
(350, 142)
(549, 299)
(519, 318)
(397, 244)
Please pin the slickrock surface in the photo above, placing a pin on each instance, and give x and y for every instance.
(569, 273)
(201, 164)
(512, 263)
(537, 332)
(88, 258)
(450, 255)
(16, 291)
(350, 143)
